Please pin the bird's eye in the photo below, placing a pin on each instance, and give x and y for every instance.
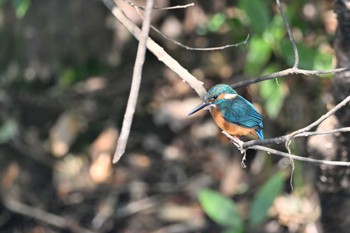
(215, 97)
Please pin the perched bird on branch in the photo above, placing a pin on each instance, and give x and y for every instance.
(232, 113)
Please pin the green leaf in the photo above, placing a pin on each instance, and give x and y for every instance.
(7, 131)
(216, 22)
(21, 7)
(265, 197)
(258, 55)
(275, 33)
(69, 76)
(323, 61)
(257, 12)
(219, 208)
(273, 94)
(310, 58)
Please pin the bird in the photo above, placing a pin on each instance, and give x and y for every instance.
(232, 113)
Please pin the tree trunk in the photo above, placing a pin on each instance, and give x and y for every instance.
(333, 183)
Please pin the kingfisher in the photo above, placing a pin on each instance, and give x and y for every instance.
(232, 113)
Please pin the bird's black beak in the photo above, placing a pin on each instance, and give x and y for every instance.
(199, 107)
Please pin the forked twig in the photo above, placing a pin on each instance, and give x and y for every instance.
(304, 132)
(295, 68)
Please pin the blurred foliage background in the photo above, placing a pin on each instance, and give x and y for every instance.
(65, 73)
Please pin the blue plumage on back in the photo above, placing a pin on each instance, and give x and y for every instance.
(241, 112)
(232, 111)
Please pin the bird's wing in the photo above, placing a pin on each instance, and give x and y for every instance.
(241, 112)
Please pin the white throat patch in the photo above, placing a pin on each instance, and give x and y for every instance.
(230, 96)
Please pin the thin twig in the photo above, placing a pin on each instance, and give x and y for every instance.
(290, 34)
(135, 85)
(287, 72)
(160, 8)
(300, 158)
(194, 48)
(202, 49)
(332, 131)
(296, 64)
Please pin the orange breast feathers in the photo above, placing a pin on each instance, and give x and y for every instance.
(233, 129)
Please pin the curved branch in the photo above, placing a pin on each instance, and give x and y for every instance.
(290, 34)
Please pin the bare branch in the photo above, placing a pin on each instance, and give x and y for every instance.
(287, 72)
(160, 8)
(194, 48)
(135, 85)
(156, 49)
(300, 158)
(333, 131)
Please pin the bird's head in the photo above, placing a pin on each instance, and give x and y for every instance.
(217, 93)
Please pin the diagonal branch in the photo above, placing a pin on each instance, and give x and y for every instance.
(135, 85)
(322, 118)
